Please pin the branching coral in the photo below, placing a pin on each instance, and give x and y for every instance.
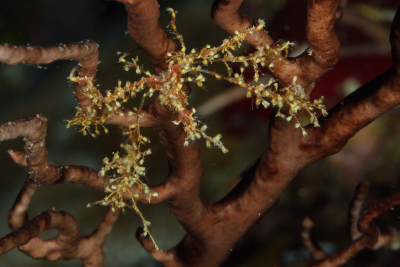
(212, 230)
(364, 233)
(168, 86)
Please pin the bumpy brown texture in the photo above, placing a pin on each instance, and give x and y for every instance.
(144, 30)
(67, 244)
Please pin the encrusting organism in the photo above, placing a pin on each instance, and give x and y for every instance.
(183, 67)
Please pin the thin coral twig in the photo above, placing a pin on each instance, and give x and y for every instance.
(367, 240)
(66, 245)
(355, 208)
(312, 247)
(367, 236)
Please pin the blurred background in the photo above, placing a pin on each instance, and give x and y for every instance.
(322, 191)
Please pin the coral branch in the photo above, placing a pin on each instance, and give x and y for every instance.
(324, 45)
(60, 220)
(321, 35)
(374, 211)
(367, 236)
(85, 52)
(145, 31)
(66, 245)
(355, 208)
(17, 216)
(90, 247)
(367, 240)
(40, 169)
(34, 130)
(359, 108)
(258, 191)
(312, 247)
(226, 14)
(212, 230)
(148, 245)
(82, 52)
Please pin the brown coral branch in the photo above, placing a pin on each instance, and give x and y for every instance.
(226, 14)
(355, 208)
(324, 47)
(90, 247)
(367, 240)
(258, 191)
(184, 162)
(146, 118)
(262, 185)
(85, 52)
(212, 230)
(40, 169)
(367, 236)
(282, 141)
(320, 35)
(145, 31)
(34, 130)
(82, 52)
(282, 161)
(358, 109)
(64, 222)
(316, 252)
(182, 186)
(17, 216)
(66, 245)
(147, 244)
(374, 211)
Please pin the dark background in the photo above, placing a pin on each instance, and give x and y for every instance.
(322, 191)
